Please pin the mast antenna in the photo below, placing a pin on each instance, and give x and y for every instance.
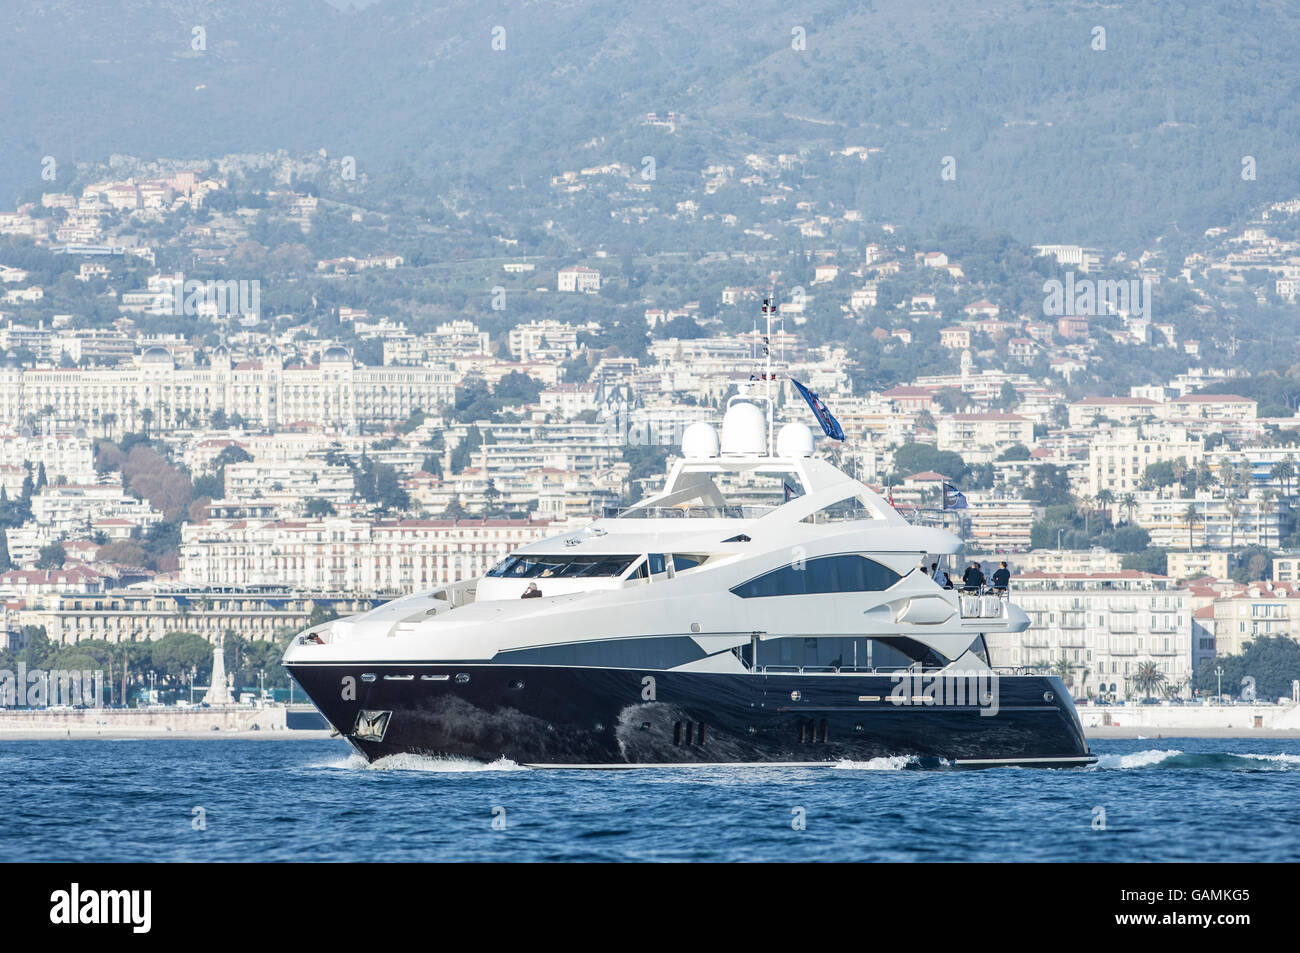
(769, 307)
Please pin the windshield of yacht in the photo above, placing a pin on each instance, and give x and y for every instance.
(551, 566)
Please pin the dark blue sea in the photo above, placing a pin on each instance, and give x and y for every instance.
(253, 800)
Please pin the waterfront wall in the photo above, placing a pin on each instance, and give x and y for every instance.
(145, 721)
(1173, 717)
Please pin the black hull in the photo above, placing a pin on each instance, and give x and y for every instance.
(601, 717)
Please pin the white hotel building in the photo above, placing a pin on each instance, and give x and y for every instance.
(1103, 624)
(348, 555)
(335, 394)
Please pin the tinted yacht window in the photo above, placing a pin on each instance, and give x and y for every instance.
(846, 573)
(657, 653)
(552, 565)
(885, 653)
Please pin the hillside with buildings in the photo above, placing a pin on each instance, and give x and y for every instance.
(242, 391)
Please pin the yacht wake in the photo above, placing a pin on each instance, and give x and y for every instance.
(429, 764)
(1209, 760)
(897, 762)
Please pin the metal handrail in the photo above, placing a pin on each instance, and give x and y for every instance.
(836, 670)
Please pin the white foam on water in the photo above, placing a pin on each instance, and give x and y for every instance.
(895, 762)
(418, 762)
(437, 765)
(1136, 759)
(1282, 758)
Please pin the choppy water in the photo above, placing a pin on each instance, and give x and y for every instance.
(1172, 799)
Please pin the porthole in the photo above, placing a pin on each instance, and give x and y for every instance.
(516, 684)
(1049, 696)
(795, 696)
(462, 678)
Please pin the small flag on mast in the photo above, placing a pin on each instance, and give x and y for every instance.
(953, 499)
(830, 426)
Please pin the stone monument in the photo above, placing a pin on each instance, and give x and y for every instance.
(218, 692)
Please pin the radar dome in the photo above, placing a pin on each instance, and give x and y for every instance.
(794, 440)
(744, 430)
(699, 441)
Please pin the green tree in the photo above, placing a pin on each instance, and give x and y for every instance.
(317, 507)
(1148, 678)
(51, 556)
(463, 452)
(1051, 485)
(1273, 661)
(1149, 560)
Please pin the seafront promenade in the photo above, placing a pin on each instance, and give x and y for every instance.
(1191, 721)
(270, 722)
(282, 722)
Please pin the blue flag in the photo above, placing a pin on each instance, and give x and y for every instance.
(953, 498)
(830, 426)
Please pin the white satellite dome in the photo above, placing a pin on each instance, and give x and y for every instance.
(794, 440)
(700, 441)
(744, 430)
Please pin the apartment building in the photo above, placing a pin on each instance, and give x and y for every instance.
(1118, 457)
(1104, 625)
(65, 456)
(1261, 609)
(341, 554)
(1216, 522)
(1124, 411)
(447, 342)
(1286, 567)
(979, 438)
(1066, 561)
(542, 340)
(1198, 564)
(996, 526)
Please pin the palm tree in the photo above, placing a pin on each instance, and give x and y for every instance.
(1086, 501)
(1189, 516)
(1179, 470)
(1267, 500)
(1129, 501)
(1234, 510)
(1283, 472)
(1106, 499)
(1063, 669)
(1148, 678)
(1204, 475)
(1227, 473)
(1245, 481)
